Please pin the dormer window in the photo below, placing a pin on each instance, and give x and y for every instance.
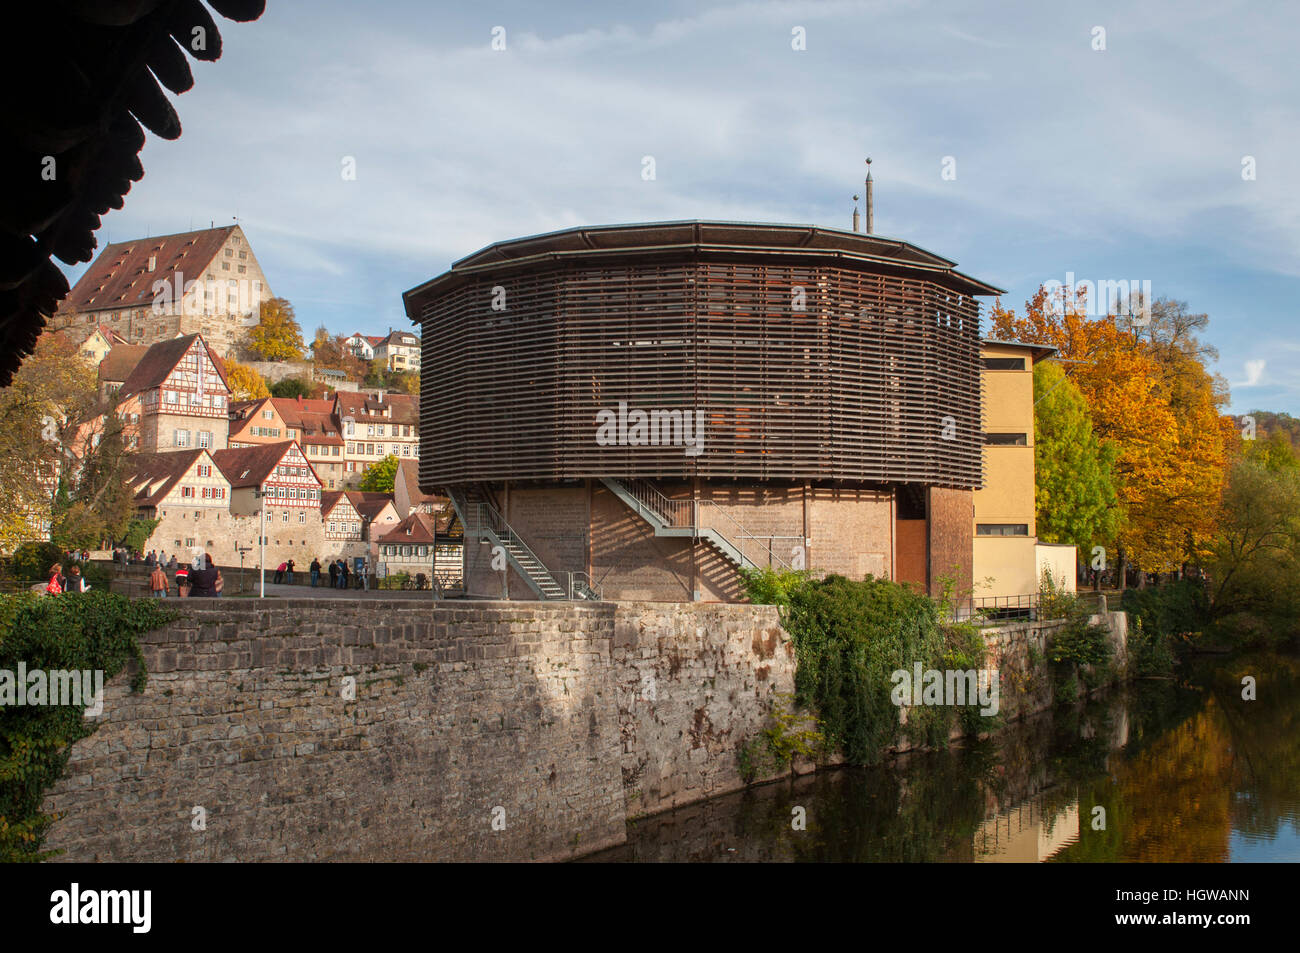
(153, 262)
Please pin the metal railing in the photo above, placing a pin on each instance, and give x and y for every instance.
(579, 585)
(1026, 607)
(686, 514)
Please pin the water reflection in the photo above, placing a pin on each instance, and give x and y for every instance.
(1171, 770)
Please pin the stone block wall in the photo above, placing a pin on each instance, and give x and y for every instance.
(477, 731)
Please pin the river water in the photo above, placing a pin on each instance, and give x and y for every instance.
(1183, 769)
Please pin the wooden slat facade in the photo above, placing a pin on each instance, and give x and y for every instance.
(855, 387)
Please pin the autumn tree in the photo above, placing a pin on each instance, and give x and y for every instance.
(41, 415)
(276, 336)
(380, 476)
(245, 383)
(1149, 394)
(1075, 492)
(332, 353)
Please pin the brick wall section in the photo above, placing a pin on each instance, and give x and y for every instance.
(460, 708)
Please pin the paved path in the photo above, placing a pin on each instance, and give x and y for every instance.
(320, 592)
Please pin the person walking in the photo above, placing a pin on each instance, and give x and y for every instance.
(158, 584)
(182, 580)
(334, 574)
(54, 587)
(314, 569)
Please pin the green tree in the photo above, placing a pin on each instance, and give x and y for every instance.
(1075, 494)
(291, 387)
(138, 532)
(379, 476)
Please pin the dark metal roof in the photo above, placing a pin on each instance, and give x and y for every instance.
(702, 238)
(1040, 350)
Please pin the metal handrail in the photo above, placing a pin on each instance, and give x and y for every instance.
(502, 530)
(685, 514)
(578, 581)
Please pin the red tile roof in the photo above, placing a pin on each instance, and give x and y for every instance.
(149, 468)
(161, 359)
(369, 504)
(120, 361)
(120, 276)
(250, 466)
(418, 528)
(330, 499)
(408, 471)
(369, 408)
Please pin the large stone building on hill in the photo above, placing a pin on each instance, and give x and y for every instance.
(152, 289)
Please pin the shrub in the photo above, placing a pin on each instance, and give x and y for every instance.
(32, 561)
(849, 638)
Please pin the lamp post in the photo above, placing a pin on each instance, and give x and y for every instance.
(261, 542)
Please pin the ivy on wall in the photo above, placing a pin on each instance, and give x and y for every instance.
(94, 631)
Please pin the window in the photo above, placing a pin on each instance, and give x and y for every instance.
(1006, 439)
(187, 492)
(217, 400)
(172, 397)
(1004, 363)
(302, 516)
(267, 415)
(205, 470)
(181, 438)
(352, 448)
(205, 438)
(332, 525)
(336, 451)
(1002, 529)
(225, 266)
(230, 253)
(286, 517)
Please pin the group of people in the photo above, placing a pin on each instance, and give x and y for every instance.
(339, 574)
(197, 580)
(59, 583)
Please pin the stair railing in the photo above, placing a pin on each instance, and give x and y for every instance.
(685, 514)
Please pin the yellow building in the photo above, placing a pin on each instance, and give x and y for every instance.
(1006, 552)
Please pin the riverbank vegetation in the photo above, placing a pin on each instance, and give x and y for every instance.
(89, 632)
(849, 638)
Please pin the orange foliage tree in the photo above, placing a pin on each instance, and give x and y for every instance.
(1149, 393)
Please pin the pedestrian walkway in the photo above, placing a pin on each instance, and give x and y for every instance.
(283, 591)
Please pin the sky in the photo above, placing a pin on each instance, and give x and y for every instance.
(1154, 142)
